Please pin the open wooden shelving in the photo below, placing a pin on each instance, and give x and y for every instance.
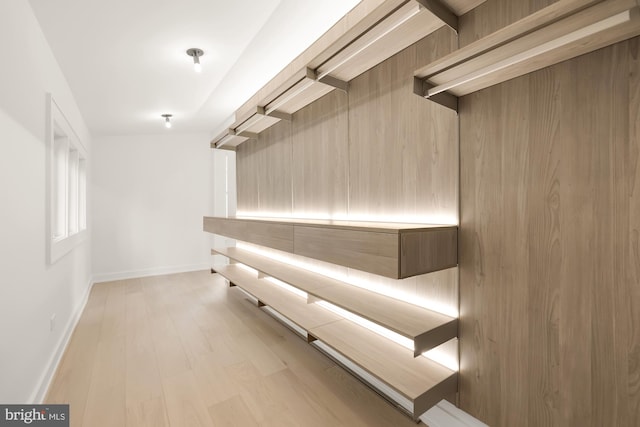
(418, 380)
(388, 249)
(294, 307)
(552, 35)
(422, 381)
(392, 26)
(425, 328)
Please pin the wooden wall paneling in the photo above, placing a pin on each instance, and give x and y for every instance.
(545, 235)
(437, 148)
(609, 127)
(493, 15)
(460, 7)
(392, 137)
(275, 185)
(438, 290)
(360, 17)
(548, 267)
(373, 252)
(375, 142)
(248, 163)
(629, 300)
(320, 157)
(492, 295)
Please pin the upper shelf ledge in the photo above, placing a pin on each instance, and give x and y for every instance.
(372, 32)
(554, 34)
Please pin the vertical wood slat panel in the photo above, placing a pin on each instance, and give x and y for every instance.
(402, 151)
(550, 165)
(320, 158)
(628, 301)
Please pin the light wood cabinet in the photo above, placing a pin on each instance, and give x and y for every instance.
(388, 249)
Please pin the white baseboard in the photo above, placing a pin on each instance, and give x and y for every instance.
(445, 414)
(40, 393)
(123, 275)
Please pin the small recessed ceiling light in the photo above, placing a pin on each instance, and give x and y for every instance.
(196, 53)
(167, 120)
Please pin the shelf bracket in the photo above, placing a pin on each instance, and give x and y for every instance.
(247, 134)
(280, 115)
(442, 12)
(335, 82)
(421, 88)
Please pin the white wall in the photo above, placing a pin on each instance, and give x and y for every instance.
(30, 289)
(223, 201)
(150, 193)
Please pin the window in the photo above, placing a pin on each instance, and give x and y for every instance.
(67, 186)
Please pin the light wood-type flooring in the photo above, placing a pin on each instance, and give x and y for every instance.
(186, 350)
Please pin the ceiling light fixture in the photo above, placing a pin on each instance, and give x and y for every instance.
(196, 53)
(167, 120)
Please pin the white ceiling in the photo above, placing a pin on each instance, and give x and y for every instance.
(126, 64)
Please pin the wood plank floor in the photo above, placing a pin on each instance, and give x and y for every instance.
(185, 350)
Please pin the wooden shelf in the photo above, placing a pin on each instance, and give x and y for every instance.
(292, 306)
(397, 25)
(421, 381)
(302, 90)
(537, 41)
(427, 329)
(387, 249)
(228, 140)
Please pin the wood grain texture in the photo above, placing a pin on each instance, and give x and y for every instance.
(392, 250)
(278, 236)
(416, 28)
(425, 327)
(507, 28)
(426, 252)
(321, 156)
(548, 266)
(419, 379)
(292, 306)
(494, 15)
(373, 252)
(402, 151)
(472, 73)
(264, 171)
(253, 363)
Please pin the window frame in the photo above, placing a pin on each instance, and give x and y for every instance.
(64, 233)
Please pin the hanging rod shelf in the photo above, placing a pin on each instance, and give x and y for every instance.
(491, 61)
(391, 27)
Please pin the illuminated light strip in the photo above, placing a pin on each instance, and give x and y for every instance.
(373, 327)
(376, 33)
(354, 281)
(366, 376)
(290, 94)
(247, 268)
(287, 287)
(250, 122)
(443, 358)
(574, 36)
(437, 354)
(401, 219)
(285, 259)
(286, 321)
